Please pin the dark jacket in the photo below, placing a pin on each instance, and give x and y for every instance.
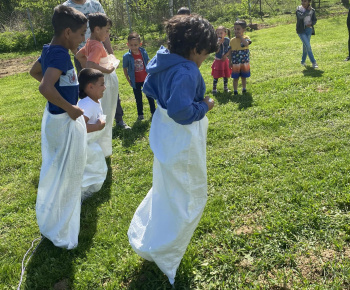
(129, 63)
(300, 18)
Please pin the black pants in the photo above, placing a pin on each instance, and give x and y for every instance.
(119, 112)
(138, 98)
(348, 24)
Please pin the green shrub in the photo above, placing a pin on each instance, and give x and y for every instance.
(11, 41)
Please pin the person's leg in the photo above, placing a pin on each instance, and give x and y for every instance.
(225, 85)
(215, 82)
(348, 25)
(152, 105)
(309, 50)
(119, 116)
(138, 98)
(78, 66)
(244, 84)
(151, 102)
(119, 112)
(305, 38)
(235, 86)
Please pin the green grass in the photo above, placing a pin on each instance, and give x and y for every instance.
(278, 177)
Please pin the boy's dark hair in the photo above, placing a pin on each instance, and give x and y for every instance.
(87, 76)
(134, 35)
(67, 17)
(227, 31)
(188, 32)
(184, 11)
(242, 23)
(98, 20)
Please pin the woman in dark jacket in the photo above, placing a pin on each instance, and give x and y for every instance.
(348, 24)
(306, 19)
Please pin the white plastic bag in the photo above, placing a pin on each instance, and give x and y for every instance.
(63, 146)
(164, 222)
(96, 168)
(109, 105)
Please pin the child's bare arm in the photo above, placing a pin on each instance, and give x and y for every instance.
(91, 64)
(245, 41)
(36, 71)
(48, 90)
(99, 125)
(80, 56)
(126, 75)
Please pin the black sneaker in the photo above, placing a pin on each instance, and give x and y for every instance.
(347, 59)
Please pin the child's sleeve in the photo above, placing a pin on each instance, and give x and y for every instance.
(96, 53)
(88, 111)
(181, 106)
(59, 60)
(125, 61)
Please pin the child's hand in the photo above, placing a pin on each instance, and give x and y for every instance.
(101, 124)
(110, 69)
(209, 102)
(75, 112)
(224, 58)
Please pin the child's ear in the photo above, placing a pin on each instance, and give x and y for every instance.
(67, 32)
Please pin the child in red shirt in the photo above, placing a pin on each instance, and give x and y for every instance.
(134, 66)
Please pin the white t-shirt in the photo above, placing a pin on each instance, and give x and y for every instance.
(90, 6)
(92, 110)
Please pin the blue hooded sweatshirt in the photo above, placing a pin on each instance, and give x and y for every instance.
(177, 85)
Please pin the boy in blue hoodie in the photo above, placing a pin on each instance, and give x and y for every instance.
(134, 66)
(163, 224)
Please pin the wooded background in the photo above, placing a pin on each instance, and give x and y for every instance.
(21, 19)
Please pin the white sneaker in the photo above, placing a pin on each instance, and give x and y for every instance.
(314, 65)
(303, 63)
(123, 125)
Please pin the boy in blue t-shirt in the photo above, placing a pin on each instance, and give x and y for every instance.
(63, 132)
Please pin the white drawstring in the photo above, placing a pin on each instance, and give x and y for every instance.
(24, 266)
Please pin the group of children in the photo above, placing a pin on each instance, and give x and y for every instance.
(77, 135)
(232, 57)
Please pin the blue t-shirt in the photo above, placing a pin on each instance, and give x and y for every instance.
(56, 56)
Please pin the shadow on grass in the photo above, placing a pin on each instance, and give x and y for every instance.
(243, 100)
(52, 267)
(128, 137)
(151, 277)
(311, 72)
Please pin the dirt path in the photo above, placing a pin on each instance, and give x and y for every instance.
(16, 65)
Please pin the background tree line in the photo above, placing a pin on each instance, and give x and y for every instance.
(17, 17)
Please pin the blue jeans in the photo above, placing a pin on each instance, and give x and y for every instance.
(305, 39)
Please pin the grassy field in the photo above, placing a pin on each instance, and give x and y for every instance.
(278, 210)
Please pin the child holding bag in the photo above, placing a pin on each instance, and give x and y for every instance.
(164, 222)
(91, 88)
(94, 55)
(63, 132)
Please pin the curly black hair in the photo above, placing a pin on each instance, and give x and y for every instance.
(188, 32)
